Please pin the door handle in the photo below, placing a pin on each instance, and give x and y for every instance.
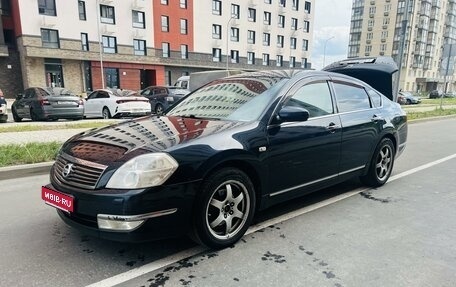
(332, 127)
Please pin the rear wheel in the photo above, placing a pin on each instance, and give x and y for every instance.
(381, 164)
(33, 115)
(158, 109)
(224, 209)
(106, 114)
(408, 102)
(16, 117)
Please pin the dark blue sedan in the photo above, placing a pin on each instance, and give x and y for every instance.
(233, 147)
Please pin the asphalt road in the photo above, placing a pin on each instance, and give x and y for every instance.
(402, 234)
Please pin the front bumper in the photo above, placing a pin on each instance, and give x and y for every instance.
(161, 212)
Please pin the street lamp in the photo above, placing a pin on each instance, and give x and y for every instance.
(99, 43)
(227, 38)
(324, 50)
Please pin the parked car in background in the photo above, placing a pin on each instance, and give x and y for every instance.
(408, 98)
(3, 108)
(450, 95)
(162, 97)
(47, 103)
(400, 99)
(115, 103)
(435, 94)
(233, 147)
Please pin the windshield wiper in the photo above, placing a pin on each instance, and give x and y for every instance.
(200, 118)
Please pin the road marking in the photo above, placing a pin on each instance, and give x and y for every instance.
(158, 264)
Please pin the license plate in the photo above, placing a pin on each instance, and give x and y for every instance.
(65, 103)
(170, 99)
(57, 199)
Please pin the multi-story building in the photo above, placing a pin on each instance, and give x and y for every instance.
(376, 29)
(130, 44)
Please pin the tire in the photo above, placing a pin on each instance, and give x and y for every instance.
(381, 164)
(16, 117)
(158, 109)
(105, 113)
(33, 116)
(227, 198)
(408, 102)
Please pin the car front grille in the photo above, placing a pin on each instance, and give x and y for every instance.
(77, 173)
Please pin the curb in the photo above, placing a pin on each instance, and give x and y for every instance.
(431, 119)
(26, 170)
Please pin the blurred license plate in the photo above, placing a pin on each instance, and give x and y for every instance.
(170, 99)
(65, 103)
(57, 199)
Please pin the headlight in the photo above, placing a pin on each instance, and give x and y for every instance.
(143, 171)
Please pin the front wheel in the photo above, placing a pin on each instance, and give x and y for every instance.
(105, 113)
(381, 164)
(224, 209)
(16, 117)
(159, 109)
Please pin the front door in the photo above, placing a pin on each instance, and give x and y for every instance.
(305, 154)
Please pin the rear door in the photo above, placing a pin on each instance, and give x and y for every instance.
(305, 154)
(361, 125)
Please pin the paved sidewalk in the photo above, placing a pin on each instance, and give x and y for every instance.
(59, 135)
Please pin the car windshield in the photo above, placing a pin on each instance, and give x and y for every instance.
(237, 99)
(59, 92)
(125, 93)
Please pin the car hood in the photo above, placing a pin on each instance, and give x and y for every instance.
(377, 72)
(120, 142)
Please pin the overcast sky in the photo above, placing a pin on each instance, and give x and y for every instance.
(332, 19)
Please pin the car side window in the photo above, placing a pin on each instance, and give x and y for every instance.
(92, 96)
(350, 97)
(146, 92)
(376, 98)
(102, 95)
(314, 97)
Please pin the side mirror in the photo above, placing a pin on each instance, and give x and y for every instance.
(293, 114)
(19, 96)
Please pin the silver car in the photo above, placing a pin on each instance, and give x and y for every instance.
(47, 104)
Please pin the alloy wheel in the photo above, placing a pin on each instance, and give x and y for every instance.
(384, 162)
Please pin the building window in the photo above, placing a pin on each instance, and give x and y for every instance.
(112, 77)
(279, 41)
(140, 47)
(306, 27)
(251, 37)
(216, 55)
(82, 10)
(107, 14)
(304, 63)
(265, 59)
(266, 39)
(372, 10)
(5, 7)
(235, 11)
(165, 23)
(216, 31)
(295, 5)
(183, 26)
(183, 4)
(307, 7)
(165, 50)
(293, 43)
(216, 7)
(368, 49)
(282, 3)
(235, 34)
(292, 62)
(267, 18)
(294, 24)
(138, 19)
(305, 45)
(47, 7)
(109, 44)
(251, 58)
(85, 41)
(164, 2)
(184, 51)
(252, 15)
(279, 61)
(268, 1)
(281, 22)
(50, 38)
(234, 56)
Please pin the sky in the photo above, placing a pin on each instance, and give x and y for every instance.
(332, 19)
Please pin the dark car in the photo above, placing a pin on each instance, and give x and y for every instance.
(162, 97)
(235, 146)
(3, 108)
(407, 98)
(40, 104)
(435, 94)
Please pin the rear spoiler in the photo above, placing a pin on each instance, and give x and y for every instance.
(376, 71)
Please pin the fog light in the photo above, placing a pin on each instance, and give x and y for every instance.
(117, 223)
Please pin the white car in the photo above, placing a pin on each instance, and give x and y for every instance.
(105, 103)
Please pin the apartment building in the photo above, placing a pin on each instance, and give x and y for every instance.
(130, 44)
(376, 29)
